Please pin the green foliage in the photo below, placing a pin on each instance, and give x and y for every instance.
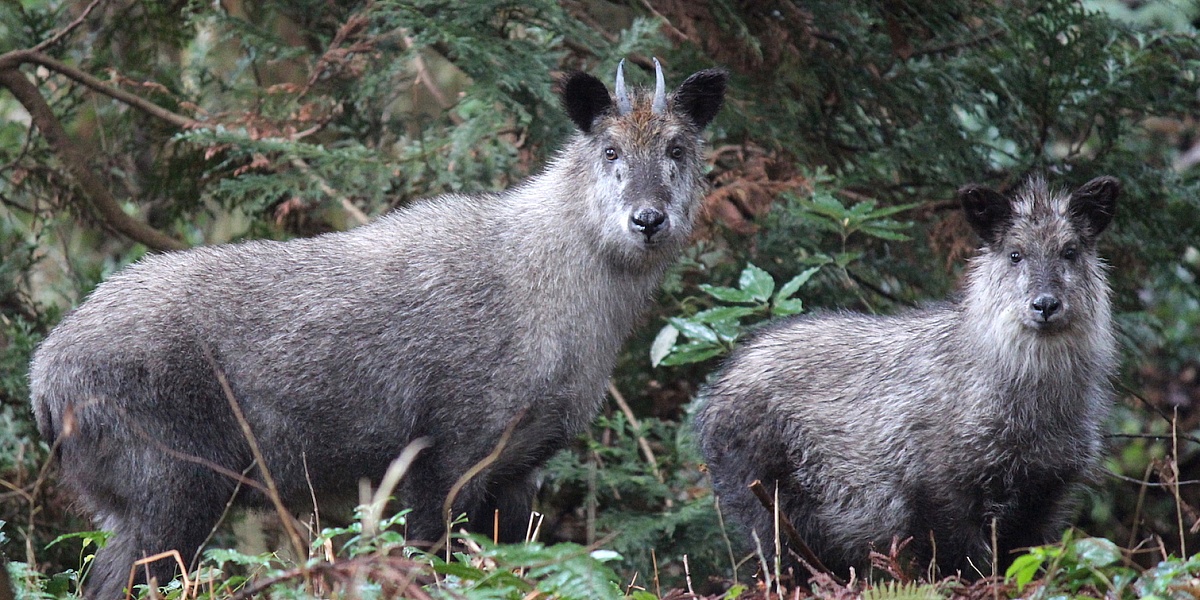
(567, 571)
(894, 590)
(1072, 565)
(647, 514)
(714, 331)
(1097, 566)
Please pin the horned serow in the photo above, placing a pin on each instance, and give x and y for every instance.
(936, 424)
(453, 319)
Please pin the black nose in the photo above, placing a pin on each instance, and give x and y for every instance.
(648, 221)
(1047, 305)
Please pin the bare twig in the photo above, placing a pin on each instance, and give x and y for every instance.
(1174, 467)
(65, 31)
(353, 211)
(687, 574)
(654, 561)
(426, 80)
(345, 570)
(224, 513)
(647, 451)
(814, 564)
(101, 200)
(733, 564)
(187, 582)
(1137, 511)
(285, 516)
(1169, 484)
(16, 58)
(478, 467)
(671, 29)
(391, 478)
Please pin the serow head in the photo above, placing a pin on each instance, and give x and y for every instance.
(1040, 263)
(641, 151)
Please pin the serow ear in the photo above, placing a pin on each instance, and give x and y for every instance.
(585, 98)
(1095, 203)
(988, 212)
(700, 96)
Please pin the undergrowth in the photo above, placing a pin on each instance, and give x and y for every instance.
(354, 562)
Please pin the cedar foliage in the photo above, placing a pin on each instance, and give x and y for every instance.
(302, 116)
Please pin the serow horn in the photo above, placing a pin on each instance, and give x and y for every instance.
(660, 91)
(624, 106)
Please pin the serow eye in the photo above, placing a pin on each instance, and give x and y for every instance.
(1014, 257)
(1070, 254)
(610, 153)
(675, 152)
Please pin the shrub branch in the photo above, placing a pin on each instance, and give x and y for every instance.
(102, 202)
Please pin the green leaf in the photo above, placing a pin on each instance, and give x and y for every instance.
(723, 313)
(1023, 569)
(727, 330)
(824, 204)
(734, 592)
(885, 233)
(790, 306)
(1096, 552)
(891, 210)
(863, 209)
(605, 555)
(663, 342)
(692, 353)
(795, 283)
(694, 331)
(757, 282)
(460, 570)
(842, 259)
(99, 538)
(727, 294)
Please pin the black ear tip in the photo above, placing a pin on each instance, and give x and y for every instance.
(700, 96)
(1109, 185)
(577, 82)
(970, 193)
(712, 80)
(584, 97)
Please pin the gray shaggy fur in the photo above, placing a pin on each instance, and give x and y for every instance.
(932, 423)
(445, 320)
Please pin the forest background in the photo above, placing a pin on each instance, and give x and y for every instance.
(149, 125)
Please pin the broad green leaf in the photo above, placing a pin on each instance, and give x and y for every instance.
(99, 538)
(663, 342)
(460, 570)
(842, 259)
(722, 313)
(789, 306)
(885, 234)
(605, 555)
(823, 203)
(891, 210)
(694, 331)
(757, 282)
(692, 353)
(1096, 552)
(727, 294)
(728, 331)
(734, 592)
(863, 209)
(1023, 569)
(794, 285)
